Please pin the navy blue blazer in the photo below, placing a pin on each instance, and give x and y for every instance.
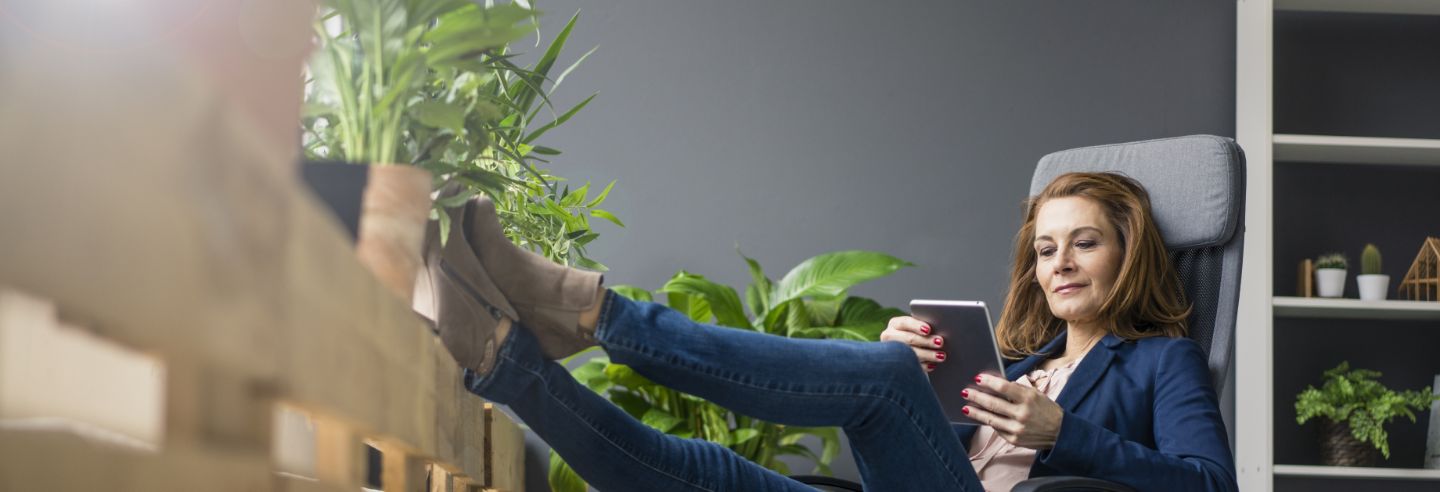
(1142, 413)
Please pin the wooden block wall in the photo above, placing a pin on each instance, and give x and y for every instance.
(171, 239)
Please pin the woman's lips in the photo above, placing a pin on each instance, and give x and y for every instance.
(1068, 288)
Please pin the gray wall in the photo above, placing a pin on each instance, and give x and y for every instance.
(798, 127)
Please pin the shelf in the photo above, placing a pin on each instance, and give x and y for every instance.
(1357, 150)
(1422, 7)
(1356, 472)
(1315, 307)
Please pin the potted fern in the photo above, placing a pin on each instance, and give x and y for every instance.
(1330, 274)
(1353, 409)
(1371, 282)
(811, 301)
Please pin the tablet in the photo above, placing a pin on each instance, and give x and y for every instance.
(970, 349)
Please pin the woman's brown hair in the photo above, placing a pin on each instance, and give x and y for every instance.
(1146, 300)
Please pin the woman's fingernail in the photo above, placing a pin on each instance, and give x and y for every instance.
(965, 410)
(964, 393)
(938, 341)
(977, 379)
(925, 330)
(930, 365)
(939, 355)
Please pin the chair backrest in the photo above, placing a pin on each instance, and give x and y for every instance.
(1197, 193)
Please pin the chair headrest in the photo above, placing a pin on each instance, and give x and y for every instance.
(1196, 183)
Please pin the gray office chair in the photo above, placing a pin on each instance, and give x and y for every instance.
(1197, 192)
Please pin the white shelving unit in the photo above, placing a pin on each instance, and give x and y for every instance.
(1254, 130)
(1356, 472)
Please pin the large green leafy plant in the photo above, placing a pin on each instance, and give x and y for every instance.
(810, 301)
(1355, 397)
(432, 83)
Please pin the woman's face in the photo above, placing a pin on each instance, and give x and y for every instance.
(1078, 254)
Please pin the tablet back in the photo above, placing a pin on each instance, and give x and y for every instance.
(969, 347)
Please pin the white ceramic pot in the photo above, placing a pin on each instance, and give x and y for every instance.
(1373, 287)
(1330, 282)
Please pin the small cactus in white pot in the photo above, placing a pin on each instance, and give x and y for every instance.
(1330, 274)
(1372, 283)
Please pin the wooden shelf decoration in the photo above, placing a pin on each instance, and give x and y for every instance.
(1422, 280)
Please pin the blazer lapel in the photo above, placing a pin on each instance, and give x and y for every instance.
(1091, 368)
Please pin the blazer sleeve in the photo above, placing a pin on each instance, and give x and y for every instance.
(1193, 447)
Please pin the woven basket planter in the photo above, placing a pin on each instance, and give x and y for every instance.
(1338, 447)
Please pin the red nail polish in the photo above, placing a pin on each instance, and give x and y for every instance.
(977, 379)
(925, 330)
(964, 393)
(930, 365)
(965, 410)
(938, 341)
(940, 355)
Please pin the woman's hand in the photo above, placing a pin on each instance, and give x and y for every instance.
(916, 334)
(1020, 414)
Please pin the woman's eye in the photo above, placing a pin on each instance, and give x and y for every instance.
(1085, 244)
(1046, 252)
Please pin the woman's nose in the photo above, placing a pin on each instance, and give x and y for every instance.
(1064, 260)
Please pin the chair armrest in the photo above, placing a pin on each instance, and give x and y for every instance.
(830, 483)
(1058, 484)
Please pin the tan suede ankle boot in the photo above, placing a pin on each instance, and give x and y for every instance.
(548, 296)
(467, 306)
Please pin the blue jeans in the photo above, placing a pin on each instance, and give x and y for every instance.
(875, 392)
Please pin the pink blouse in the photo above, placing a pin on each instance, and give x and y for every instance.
(1000, 464)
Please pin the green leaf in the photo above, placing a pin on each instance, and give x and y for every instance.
(559, 121)
(473, 29)
(552, 52)
(601, 197)
(859, 334)
(633, 293)
(755, 300)
(824, 312)
(763, 288)
(860, 310)
(632, 403)
(572, 67)
(797, 317)
(741, 436)
(562, 478)
(592, 264)
(592, 374)
(605, 214)
(724, 302)
(625, 376)
(660, 420)
(774, 320)
(830, 274)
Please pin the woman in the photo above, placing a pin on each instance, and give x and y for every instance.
(1093, 307)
